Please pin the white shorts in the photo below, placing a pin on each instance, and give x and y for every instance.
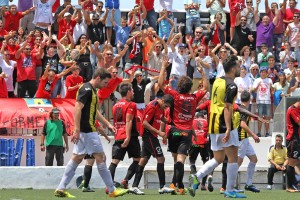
(88, 143)
(245, 148)
(218, 145)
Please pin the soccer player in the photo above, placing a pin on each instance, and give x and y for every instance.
(293, 143)
(224, 139)
(126, 137)
(152, 117)
(86, 138)
(180, 134)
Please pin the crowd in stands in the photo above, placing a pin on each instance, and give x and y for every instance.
(48, 50)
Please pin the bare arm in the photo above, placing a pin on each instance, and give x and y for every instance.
(152, 129)
(161, 79)
(267, 8)
(275, 20)
(256, 17)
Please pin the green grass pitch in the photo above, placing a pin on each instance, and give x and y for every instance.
(29, 194)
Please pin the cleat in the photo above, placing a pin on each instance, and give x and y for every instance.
(79, 182)
(203, 188)
(117, 184)
(269, 187)
(136, 190)
(237, 190)
(165, 190)
(222, 190)
(193, 185)
(234, 195)
(118, 192)
(182, 191)
(172, 186)
(210, 187)
(106, 190)
(124, 184)
(61, 193)
(251, 188)
(88, 189)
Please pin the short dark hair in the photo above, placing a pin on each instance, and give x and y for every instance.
(185, 84)
(124, 88)
(271, 56)
(102, 73)
(230, 62)
(168, 99)
(245, 96)
(279, 136)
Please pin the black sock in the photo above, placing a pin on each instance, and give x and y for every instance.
(290, 173)
(160, 167)
(131, 170)
(193, 169)
(203, 181)
(138, 176)
(174, 175)
(87, 174)
(112, 169)
(179, 174)
(224, 175)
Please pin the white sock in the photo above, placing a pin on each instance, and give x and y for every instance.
(106, 176)
(232, 172)
(250, 172)
(68, 175)
(207, 168)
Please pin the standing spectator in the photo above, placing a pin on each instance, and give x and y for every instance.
(290, 70)
(3, 87)
(280, 89)
(192, 16)
(294, 89)
(262, 57)
(216, 6)
(73, 83)
(273, 70)
(263, 87)
(217, 30)
(293, 144)
(279, 28)
(235, 6)
(53, 131)
(243, 83)
(286, 55)
(293, 30)
(99, 9)
(26, 21)
(149, 39)
(59, 9)
(139, 13)
(43, 14)
(168, 6)
(4, 2)
(12, 17)
(26, 64)
(87, 4)
(80, 28)
(289, 12)
(247, 59)
(151, 14)
(8, 68)
(248, 12)
(3, 32)
(112, 5)
(278, 159)
(165, 25)
(265, 27)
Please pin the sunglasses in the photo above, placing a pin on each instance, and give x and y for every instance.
(249, 2)
(254, 69)
(199, 32)
(109, 54)
(158, 47)
(95, 19)
(296, 16)
(138, 76)
(115, 72)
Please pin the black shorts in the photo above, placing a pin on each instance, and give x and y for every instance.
(196, 149)
(180, 141)
(151, 146)
(87, 156)
(133, 149)
(293, 149)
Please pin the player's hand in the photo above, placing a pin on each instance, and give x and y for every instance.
(112, 128)
(263, 120)
(67, 148)
(108, 139)
(125, 143)
(165, 141)
(256, 139)
(226, 137)
(75, 136)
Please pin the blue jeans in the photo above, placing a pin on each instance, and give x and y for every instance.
(152, 18)
(277, 42)
(190, 23)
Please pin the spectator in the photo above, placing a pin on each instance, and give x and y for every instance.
(200, 39)
(12, 17)
(4, 2)
(123, 31)
(166, 5)
(99, 9)
(3, 87)
(21, 35)
(263, 87)
(279, 28)
(278, 159)
(247, 59)
(235, 6)
(290, 70)
(280, 89)
(254, 69)
(216, 6)
(3, 32)
(54, 130)
(26, 65)
(248, 12)
(8, 68)
(272, 69)
(294, 89)
(289, 12)
(43, 14)
(151, 14)
(87, 4)
(262, 57)
(80, 28)
(286, 55)
(71, 10)
(26, 21)
(265, 27)
(217, 30)
(110, 5)
(243, 83)
(137, 16)
(192, 16)
(242, 35)
(292, 31)
(165, 25)
(73, 82)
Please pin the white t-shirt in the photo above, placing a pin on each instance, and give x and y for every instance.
(286, 59)
(179, 64)
(243, 83)
(155, 62)
(165, 4)
(220, 70)
(263, 90)
(43, 11)
(197, 74)
(8, 69)
(79, 29)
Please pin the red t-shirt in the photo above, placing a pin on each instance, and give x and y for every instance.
(112, 84)
(289, 14)
(70, 82)
(3, 32)
(26, 67)
(153, 114)
(3, 89)
(63, 26)
(45, 88)
(88, 6)
(55, 6)
(149, 4)
(120, 110)
(201, 128)
(292, 120)
(36, 50)
(184, 108)
(12, 49)
(12, 22)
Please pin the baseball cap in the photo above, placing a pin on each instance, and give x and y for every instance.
(95, 16)
(67, 14)
(182, 45)
(264, 68)
(55, 110)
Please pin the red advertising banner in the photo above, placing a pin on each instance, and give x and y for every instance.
(33, 113)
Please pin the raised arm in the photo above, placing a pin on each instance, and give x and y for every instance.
(256, 16)
(61, 49)
(65, 72)
(161, 78)
(112, 19)
(86, 17)
(142, 5)
(234, 51)
(28, 11)
(103, 19)
(275, 20)
(267, 8)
